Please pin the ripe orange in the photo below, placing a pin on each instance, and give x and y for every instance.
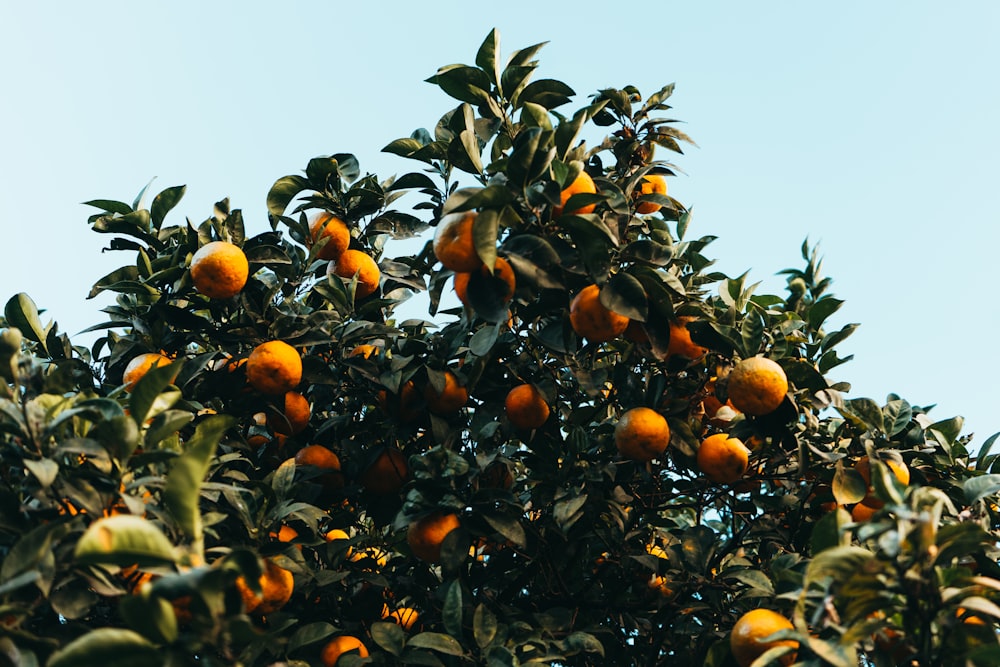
(450, 399)
(426, 535)
(140, 366)
(317, 456)
(404, 617)
(453, 243)
(276, 585)
(862, 512)
(526, 407)
(355, 262)
(335, 535)
(502, 282)
(284, 534)
(297, 413)
(863, 466)
(219, 270)
(636, 332)
(591, 320)
(747, 638)
(496, 475)
(338, 646)
(366, 351)
(326, 225)
(680, 340)
(582, 184)
(757, 386)
(651, 184)
(723, 459)
(403, 406)
(642, 434)
(274, 367)
(387, 473)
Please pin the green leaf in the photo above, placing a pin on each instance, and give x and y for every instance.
(977, 488)
(310, 634)
(485, 229)
(840, 563)
(864, 411)
(468, 142)
(483, 340)
(582, 642)
(507, 526)
(897, 414)
(124, 539)
(188, 471)
(147, 390)
(119, 280)
(487, 56)
(389, 636)
(22, 313)
(753, 578)
(947, 430)
(283, 192)
(451, 614)
(821, 310)
(464, 83)
(436, 641)
(848, 485)
(624, 295)
(163, 203)
(151, 616)
(44, 470)
(29, 551)
(108, 647)
(548, 93)
(484, 626)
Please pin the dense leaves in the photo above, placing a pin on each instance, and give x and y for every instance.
(186, 518)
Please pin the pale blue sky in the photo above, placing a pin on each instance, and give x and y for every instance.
(870, 127)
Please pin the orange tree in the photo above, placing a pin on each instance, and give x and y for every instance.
(299, 475)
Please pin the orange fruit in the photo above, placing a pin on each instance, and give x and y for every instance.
(723, 459)
(403, 406)
(366, 351)
(502, 282)
(426, 535)
(387, 473)
(335, 535)
(642, 434)
(450, 399)
(526, 407)
(219, 270)
(274, 367)
(747, 640)
(297, 413)
(496, 475)
(276, 585)
(661, 585)
(582, 184)
(338, 646)
(757, 386)
(317, 456)
(680, 340)
(326, 225)
(404, 617)
(591, 320)
(140, 365)
(355, 262)
(862, 512)
(651, 184)
(453, 243)
(863, 466)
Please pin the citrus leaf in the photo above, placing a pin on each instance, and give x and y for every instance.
(124, 539)
(389, 636)
(21, 312)
(436, 641)
(108, 647)
(848, 485)
(484, 626)
(977, 488)
(283, 192)
(188, 471)
(163, 203)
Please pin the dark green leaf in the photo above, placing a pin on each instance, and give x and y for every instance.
(163, 203)
(389, 636)
(22, 313)
(283, 191)
(108, 647)
(976, 488)
(487, 56)
(124, 539)
(188, 471)
(484, 626)
(548, 93)
(624, 295)
(436, 641)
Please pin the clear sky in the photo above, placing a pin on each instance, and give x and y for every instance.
(870, 127)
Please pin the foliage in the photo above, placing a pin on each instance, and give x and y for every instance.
(129, 516)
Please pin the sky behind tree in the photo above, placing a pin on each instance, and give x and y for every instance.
(868, 128)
